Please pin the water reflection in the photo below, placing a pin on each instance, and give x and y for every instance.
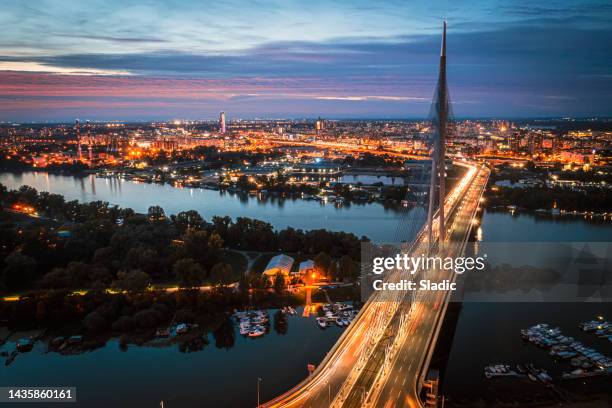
(225, 334)
(373, 220)
(181, 370)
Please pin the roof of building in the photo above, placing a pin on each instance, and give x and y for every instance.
(282, 262)
(307, 265)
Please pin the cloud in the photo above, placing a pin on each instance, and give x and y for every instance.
(136, 40)
(40, 67)
(370, 98)
(506, 59)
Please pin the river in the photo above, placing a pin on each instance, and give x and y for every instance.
(227, 377)
(489, 333)
(372, 220)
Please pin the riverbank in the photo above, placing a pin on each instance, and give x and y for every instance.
(374, 220)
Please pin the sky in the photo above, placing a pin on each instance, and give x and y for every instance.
(182, 59)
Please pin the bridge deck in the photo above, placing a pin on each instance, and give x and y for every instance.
(343, 368)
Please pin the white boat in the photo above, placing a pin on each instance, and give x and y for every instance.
(182, 328)
(257, 331)
(321, 322)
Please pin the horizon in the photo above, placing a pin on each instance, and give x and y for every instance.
(308, 119)
(350, 60)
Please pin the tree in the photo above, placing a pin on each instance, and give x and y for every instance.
(78, 274)
(94, 322)
(188, 221)
(332, 271)
(221, 274)
(144, 258)
(124, 324)
(18, 270)
(255, 280)
(244, 183)
(41, 310)
(203, 247)
(348, 269)
(279, 284)
(156, 213)
(148, 318)
(221, 226)
(28, 195)
(322, 261)
(133, 281)
(188, 272)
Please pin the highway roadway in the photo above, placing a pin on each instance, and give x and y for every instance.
(400, 387)
(349, 372)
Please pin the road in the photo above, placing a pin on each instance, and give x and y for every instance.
(400, 387)
(349, 370)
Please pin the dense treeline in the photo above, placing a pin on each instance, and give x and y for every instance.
(138, 313)
(533, 198)
(97, 245)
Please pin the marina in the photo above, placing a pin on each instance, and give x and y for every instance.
(599, 327)
(592, 363)
(519, 371)
(339, 314)
(253, 323)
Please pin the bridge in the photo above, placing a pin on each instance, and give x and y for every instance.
(382, 358)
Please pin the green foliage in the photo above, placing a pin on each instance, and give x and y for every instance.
(279, 284)
(188, 272)
(322, 262)
(18, 271)
(221, 274)
(188, 221)
(133, 281)
(100, 243)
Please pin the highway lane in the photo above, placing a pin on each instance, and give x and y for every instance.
(399, 388)
(344, 366)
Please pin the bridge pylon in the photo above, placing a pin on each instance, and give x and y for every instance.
(439, 114)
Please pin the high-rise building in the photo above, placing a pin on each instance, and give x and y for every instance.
(77, 127)
(222, 123)
(319, 126)
(89, 142)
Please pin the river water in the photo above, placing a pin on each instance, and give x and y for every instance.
(372, 220)
(220, 377)
(489, 333)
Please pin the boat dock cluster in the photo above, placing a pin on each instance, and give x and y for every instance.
(337, 313)
(256, 323)
(253, 323)
(175, 329)
(600, 327)
(521, 371)
(563, 347)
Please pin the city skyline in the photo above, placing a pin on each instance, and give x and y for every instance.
(183, 60)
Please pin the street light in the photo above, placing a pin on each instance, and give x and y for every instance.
(258, 381)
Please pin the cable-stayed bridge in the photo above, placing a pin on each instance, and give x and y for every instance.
(382, 358)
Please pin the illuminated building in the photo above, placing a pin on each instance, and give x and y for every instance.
(222, 123)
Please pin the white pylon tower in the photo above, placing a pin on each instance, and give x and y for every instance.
(440, 123)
